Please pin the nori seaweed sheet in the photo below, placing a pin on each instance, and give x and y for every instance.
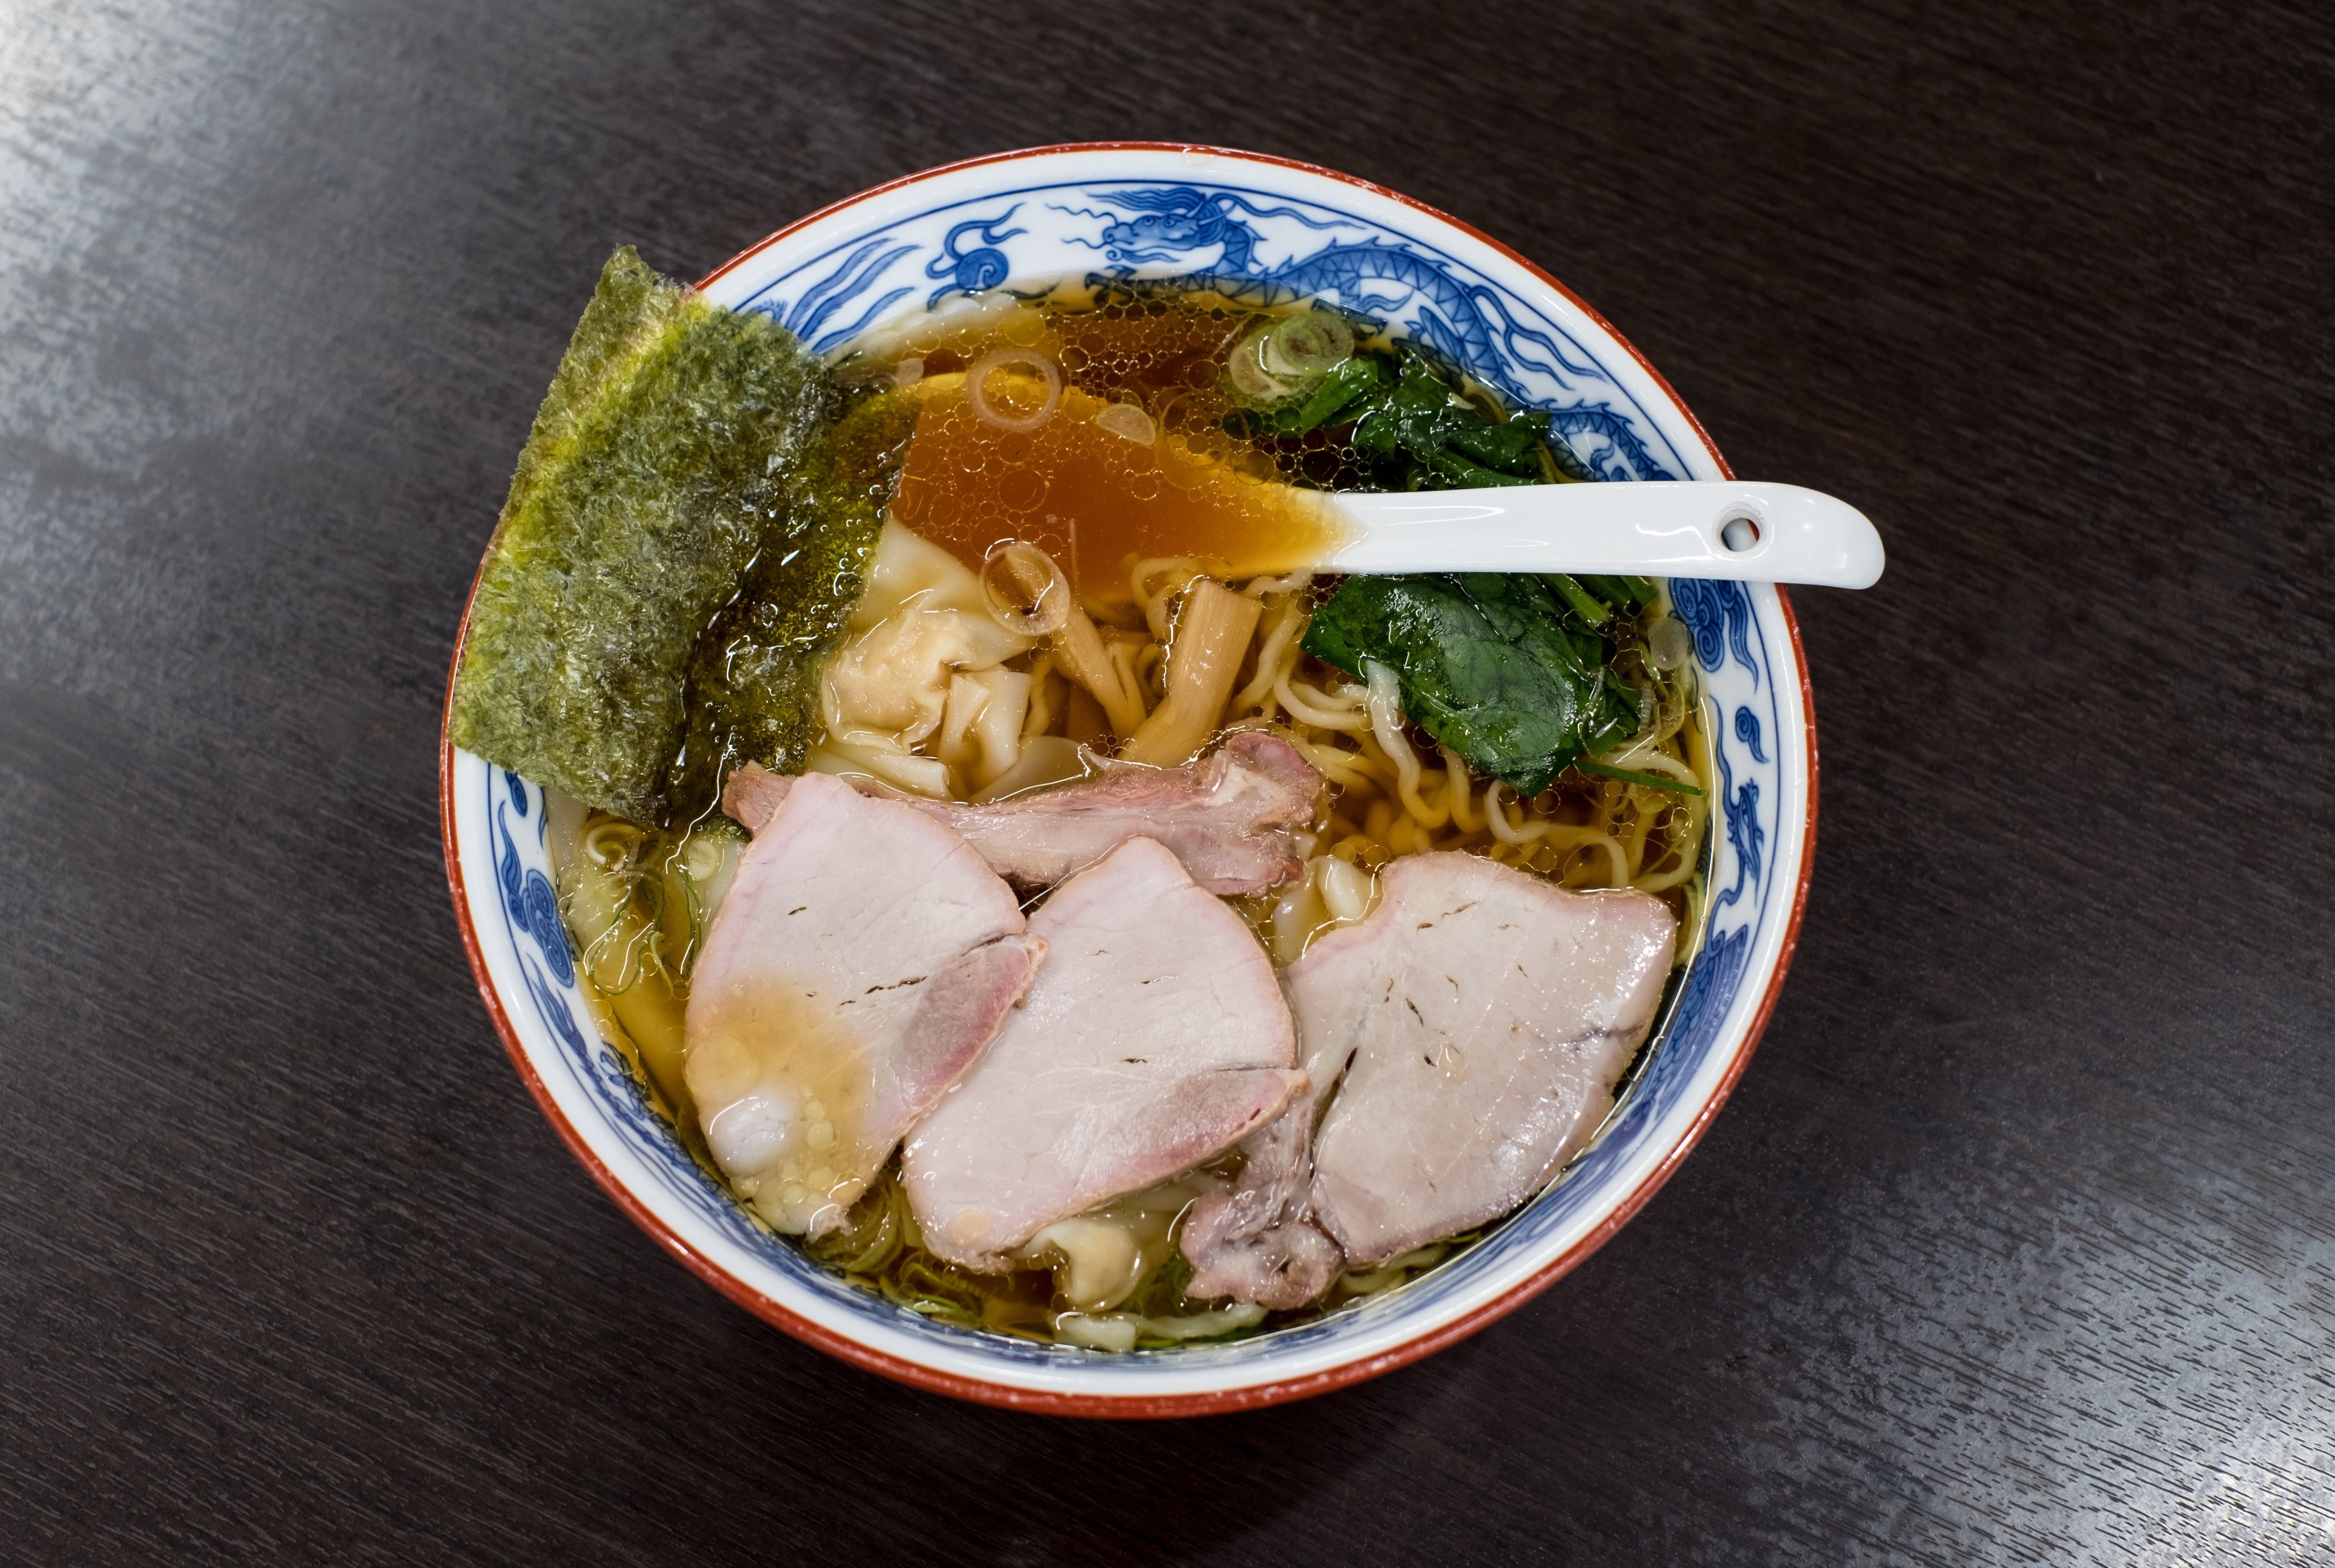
(680, 453)
(753, 684)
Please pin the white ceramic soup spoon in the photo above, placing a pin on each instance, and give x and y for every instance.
(1730, 528)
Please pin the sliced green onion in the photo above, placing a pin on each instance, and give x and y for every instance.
(1309, 344)
(1632, 776)
(1584, 604)
(1256, 385)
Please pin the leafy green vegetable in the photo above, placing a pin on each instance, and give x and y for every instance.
(873, 1233)
(1591, 609)
(1413, 430)
(1160, 1292)
(1509, 447)
(1422, 435)
(1338, 389)
(1458, 473)
(936, 1290)
(1487, 665)
(1632, 776)
(1638, 592)
(669, 457)
(1514, 681)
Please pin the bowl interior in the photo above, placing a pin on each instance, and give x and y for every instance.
(1254, 228)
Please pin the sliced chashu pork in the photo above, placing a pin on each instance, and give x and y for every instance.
(1154, 1038)
(1229, 818)
(1258, 1241)
(1469, 1033)
(863, 958)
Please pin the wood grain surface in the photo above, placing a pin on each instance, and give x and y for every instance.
(2014, 1245)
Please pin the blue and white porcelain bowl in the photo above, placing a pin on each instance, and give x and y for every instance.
(1272, 228)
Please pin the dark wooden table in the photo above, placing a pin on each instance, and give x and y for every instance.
(2016, 1243)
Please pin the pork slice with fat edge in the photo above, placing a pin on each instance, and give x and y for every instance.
(862, 959)
(1469, 1034)
(1153, 1039)
(1229, 818)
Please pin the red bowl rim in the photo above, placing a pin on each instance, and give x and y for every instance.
(1204, 1403)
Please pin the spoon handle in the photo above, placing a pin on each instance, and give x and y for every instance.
(1740, 529)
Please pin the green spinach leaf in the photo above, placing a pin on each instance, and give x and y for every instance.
(1422, 435)
(1490, 665)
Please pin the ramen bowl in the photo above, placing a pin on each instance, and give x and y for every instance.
(1232, 221)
